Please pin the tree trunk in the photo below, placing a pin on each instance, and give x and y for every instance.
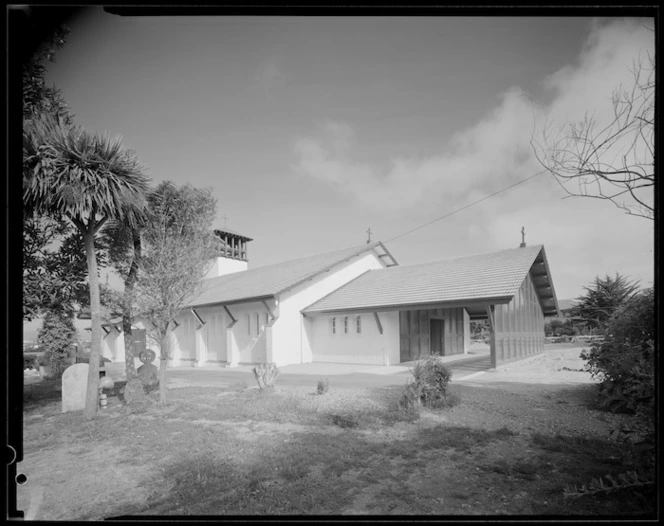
(92, 393)
(162, 380)
(130, 369)
(164, 349)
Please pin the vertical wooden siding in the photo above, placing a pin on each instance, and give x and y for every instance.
(519, 328)
(414, 330)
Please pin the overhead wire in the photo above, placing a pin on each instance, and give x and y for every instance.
(466, 206)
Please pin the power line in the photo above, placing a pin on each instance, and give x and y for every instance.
(467, 206)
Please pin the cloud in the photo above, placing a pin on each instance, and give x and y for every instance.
(490, 154)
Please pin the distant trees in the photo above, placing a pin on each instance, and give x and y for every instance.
(177, 245)
(614, 161)
(479, 329)
(602, 299)
(557, 327)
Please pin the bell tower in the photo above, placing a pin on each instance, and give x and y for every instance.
(231, 255)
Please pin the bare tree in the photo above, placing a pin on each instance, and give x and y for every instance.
(614, 162)
(177, 245)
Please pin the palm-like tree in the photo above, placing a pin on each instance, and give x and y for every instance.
(86, 179)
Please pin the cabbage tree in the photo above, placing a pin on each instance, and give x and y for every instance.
(86, 179)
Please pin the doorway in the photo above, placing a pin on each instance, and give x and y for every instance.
(437, 337)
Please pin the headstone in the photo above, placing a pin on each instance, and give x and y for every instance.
(74, 386)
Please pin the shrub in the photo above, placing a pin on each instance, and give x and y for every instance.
(56, 338)
(322, 386)
(266, 374)
(429, 385)
(410, 400)
(624, 361)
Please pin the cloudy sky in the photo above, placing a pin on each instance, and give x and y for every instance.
(313, 129)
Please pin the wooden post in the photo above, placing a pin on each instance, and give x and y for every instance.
(490, 311)
(233, 320)
(378, 324)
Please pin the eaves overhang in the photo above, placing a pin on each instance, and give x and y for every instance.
(232, 302)
(449, 304)
(540, 275)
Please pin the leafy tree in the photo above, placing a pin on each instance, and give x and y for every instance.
(54, 271)
(86, 179)
(552, 327)
(479, 329)
(624, 361)
(38, 97)
(602, 299)
(54, 266)
(613, 162)
(177, 244)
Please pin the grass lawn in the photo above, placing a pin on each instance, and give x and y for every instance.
(237, 451)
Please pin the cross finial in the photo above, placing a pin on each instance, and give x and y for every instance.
(523, 237)
(224, 218)
(369, 233)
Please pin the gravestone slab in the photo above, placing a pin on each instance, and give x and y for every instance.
(74, 385)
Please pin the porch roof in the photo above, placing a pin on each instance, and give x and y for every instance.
(473, 281)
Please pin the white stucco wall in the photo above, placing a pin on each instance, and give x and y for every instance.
(112, 345)
(222, 266)
(249, 332)
(214, 343)
(367, 347)
(287, 341)
(291, 334)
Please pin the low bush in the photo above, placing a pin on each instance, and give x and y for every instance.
(266, 375)
(624, 361)
(322, 386)
(429, 387)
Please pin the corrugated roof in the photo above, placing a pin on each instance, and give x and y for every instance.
(474, 278)
(270, 280)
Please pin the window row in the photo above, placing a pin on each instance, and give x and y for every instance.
(346, 326)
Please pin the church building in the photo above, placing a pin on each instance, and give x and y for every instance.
(358, 305)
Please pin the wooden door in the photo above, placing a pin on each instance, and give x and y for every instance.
(437, 335)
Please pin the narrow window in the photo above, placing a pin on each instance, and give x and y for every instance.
(334, 325)
(258, 324)
(249, 324)
(346, 325)
(359, 324)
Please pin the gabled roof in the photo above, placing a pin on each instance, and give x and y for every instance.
(272, 280)
(490, 278)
